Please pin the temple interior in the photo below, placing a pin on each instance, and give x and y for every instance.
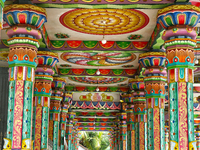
(127, 67)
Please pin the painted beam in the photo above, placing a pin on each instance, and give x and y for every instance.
(65, 72)
(96, 105)
(93, 89)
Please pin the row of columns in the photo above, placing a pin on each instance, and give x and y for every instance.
(38, 106)
(146, 121)
(148, 99)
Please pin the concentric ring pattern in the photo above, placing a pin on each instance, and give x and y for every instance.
(104, 21)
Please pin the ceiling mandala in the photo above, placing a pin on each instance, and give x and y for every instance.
(104, 21)
(94, 80)
(98, 59)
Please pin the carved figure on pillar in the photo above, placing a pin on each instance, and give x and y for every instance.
(41, 100)
(180, 38)
(140, 117)
(24, 21)
(155, 79)
(55, 109)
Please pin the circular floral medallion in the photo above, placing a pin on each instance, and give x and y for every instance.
(98, 59)
(104, 21)
(94, 80)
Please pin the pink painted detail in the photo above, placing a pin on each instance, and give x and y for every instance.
(83, 62)
(183, 121)
(181, 31)
(48, 70)
(22, 30)
(18, 115)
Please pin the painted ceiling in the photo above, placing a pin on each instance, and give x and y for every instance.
(75, 29)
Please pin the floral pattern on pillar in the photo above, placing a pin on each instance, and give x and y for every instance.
(180, 38)
(140, 116)
(22, 59)
(155, 79)
(55, 110)
(41, 100)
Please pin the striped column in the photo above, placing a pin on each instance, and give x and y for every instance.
(69, 126)
(140, 117)
(130, 127)
(155, 79)
(55, 110)
(123, 127)
(180, 39)
(65, 104)
(24, 21)
(117, 136)
(197, 133)
(41, 100)
(130, 121)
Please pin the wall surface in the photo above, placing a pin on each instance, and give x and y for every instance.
(3, 103)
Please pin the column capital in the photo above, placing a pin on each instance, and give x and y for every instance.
(153, 60)
(178, 15)
(22, 15)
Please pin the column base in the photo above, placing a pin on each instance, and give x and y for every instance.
(26, 144)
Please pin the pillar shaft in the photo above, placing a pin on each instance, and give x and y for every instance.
(55, 110)
(197, 133)
(67, 98)
(41, 100)
(117, 138)
(140, 116)
(22, 60)
(69, 129)
(123, 127)
(180, 39)
(155, 80)
(130, 127)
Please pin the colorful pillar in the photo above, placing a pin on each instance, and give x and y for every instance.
(55, 109)
(117, 135)
(1, 12)
(114, 140)
(155, 79)
(130, 121)
(25, 21)
(63, 117)
(41, 100)
(197, 133)
(74, 133)
(180, 39)
(123, 127)
(69, 126)
(139, 101)
(166, 138)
